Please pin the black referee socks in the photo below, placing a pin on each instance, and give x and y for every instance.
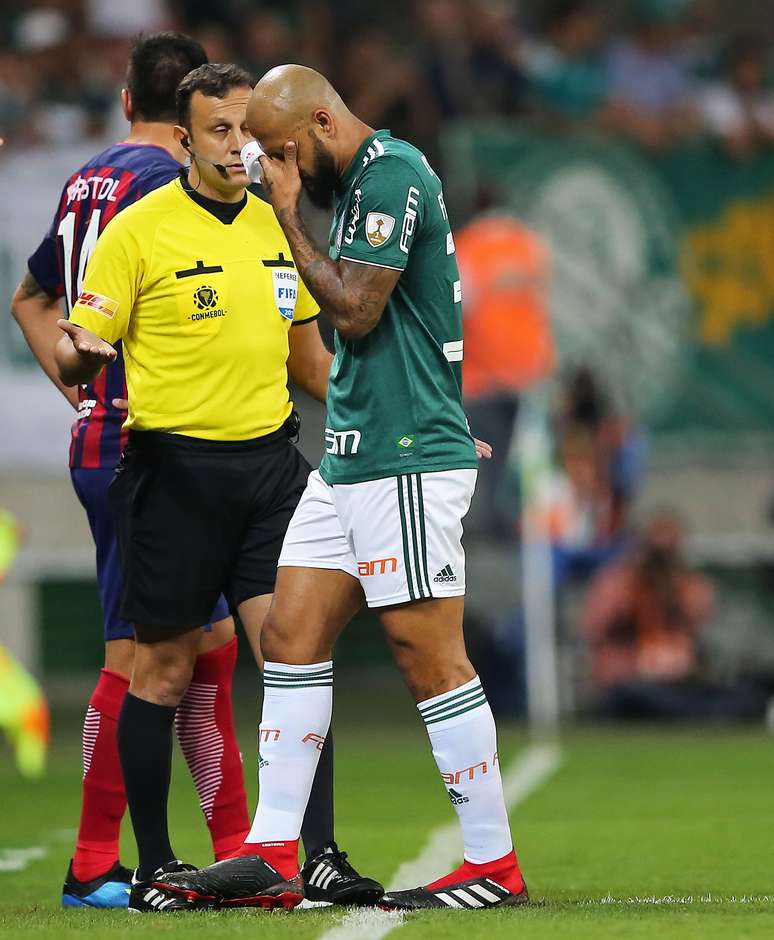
(317, 827)
(145, 749)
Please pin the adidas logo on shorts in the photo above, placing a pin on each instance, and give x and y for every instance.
(444, 575)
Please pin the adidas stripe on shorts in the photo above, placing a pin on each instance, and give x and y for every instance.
(400, 536)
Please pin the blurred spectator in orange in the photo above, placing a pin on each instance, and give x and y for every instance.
(650, 93)
(504, 269)
(643, 621)
(643, 613)
(740, 109)
(565, 66)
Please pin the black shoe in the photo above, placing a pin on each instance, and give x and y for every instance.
(247, 881)
(144, 897)
(328, 877)
(106, 891)
(471, 895)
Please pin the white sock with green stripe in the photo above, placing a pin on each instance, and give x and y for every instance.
(297, 703)
(464, 741)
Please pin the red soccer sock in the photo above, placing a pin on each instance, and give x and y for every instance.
(505, 871)
(280, 855)
(205, 728)
(104, 797)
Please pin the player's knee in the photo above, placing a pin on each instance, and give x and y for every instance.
(119, 656)
(428, 673)
(282, 643)
(162, 678)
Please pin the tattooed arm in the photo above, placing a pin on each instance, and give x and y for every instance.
(37, 313)
(352, 295)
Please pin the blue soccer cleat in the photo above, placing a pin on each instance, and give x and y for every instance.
(108, 890)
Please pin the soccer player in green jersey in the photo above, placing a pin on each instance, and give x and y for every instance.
(381, 521)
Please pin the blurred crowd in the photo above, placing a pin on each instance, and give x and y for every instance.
(654, 70)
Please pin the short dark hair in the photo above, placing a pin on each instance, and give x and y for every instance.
(157, 63)
(214, 80)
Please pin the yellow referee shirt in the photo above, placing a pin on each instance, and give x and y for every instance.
(203, 309)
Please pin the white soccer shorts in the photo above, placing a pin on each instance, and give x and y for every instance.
(401, 537)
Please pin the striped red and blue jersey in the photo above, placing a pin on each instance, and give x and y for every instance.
(99, 190)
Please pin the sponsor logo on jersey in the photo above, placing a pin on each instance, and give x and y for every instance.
(285, 291)
(206, 301)
(268, 734)
(378, 228)
(354, 217)
(379, 566)
(342, 443)
(409, 218)
(99, 303)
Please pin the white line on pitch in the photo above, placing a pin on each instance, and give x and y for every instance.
(676, 900)
(19, 859)
(444, 847)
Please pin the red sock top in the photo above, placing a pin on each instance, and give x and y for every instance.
(280, 855)
(211, 667)
(109, 692)
(505, 871)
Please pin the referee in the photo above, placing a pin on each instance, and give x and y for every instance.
(197, 281)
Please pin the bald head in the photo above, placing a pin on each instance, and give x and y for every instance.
(295, 103)
(288, 96)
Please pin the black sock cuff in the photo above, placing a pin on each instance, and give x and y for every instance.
(149, 713)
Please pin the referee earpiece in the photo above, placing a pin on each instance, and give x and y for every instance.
(185, 143)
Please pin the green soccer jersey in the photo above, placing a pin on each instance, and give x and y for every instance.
(395, 396)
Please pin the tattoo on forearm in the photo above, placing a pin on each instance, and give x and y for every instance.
(354, 303)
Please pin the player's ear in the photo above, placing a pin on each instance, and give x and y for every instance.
(126, 104)
(323, 120)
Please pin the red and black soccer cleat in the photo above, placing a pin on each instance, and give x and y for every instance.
(470, 887)
(245, 881)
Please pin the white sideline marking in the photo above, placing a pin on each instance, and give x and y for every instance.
(668, 900)
(366, 924)
(19, 859)
(444, 847)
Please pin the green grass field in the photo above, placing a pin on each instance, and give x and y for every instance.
(639, 833)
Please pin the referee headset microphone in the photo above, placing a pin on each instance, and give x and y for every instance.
(185, 143)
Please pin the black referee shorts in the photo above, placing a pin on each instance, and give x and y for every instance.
(199, 518)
